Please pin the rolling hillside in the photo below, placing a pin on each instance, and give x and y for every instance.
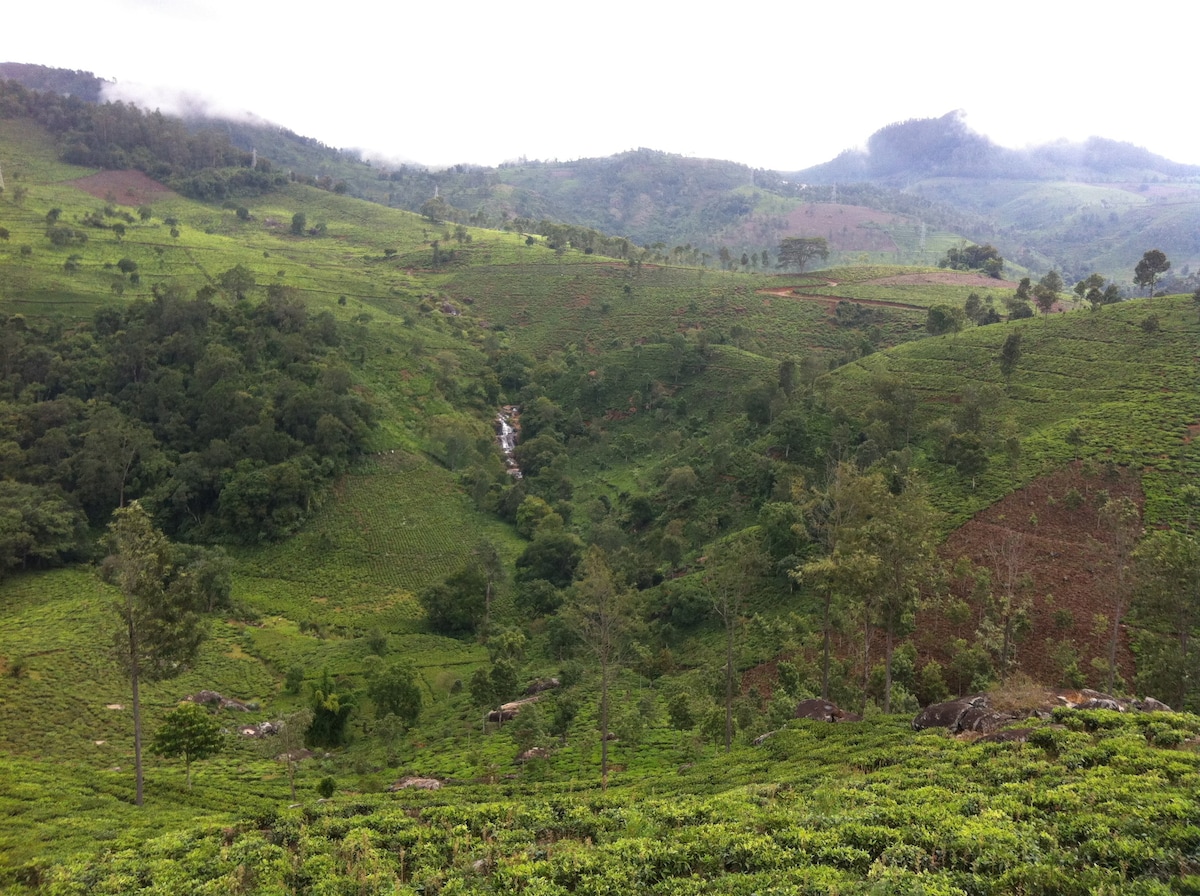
(681, 427)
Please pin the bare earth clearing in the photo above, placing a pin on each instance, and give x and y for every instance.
(1068, 557)
(952, 278)
(942, 278)
(126, 187)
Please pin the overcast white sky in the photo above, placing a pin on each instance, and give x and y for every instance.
(780, 85)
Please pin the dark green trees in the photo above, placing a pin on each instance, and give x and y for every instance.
(984, 258)
(797, 251)
(395, 692)
(457, 605)
(1147, 272)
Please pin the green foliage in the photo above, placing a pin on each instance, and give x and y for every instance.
(395, 691)
(456, 606)
(168, 404)
(331, 705)
(944, 319)
(1154, 264)
(984, 258)
(188, 731)
(37, 527)
(797, 251)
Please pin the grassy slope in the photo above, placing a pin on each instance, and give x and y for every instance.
(1132, 392)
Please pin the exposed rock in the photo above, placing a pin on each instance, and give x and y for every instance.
(944, 715)
(531, 754)
(416, 783)
(823, 711)
(509, 711)
(542, 684)
(981, 720)
(295, 756)
(1007, 736)
(262, 729)
(978, 714)
(212, 698)
(1151, 705)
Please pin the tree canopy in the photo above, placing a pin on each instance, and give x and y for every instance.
(974, 257)
(797, 251)
(188, 731)
(223, 418)
(1153, 264)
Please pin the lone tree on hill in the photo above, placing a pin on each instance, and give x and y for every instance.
(797, 251)
(188, 731)
(598, 611)
(1047, 290)
(1147, 272)
(159, 623)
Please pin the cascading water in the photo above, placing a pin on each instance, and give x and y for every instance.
(506, 435)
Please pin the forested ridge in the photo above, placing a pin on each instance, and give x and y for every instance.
(227, 419)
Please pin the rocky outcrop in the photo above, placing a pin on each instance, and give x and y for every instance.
(416, 784)
(262, 729)
(212, 698)
(510, 711)
(823, 711)
(540, 685)
(978, 714)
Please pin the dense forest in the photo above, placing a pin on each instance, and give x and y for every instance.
(227, 419)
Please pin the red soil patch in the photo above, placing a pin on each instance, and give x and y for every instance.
(125, 187)
(1068, 556)
(955, 278)
(847, 228)
(831, 302)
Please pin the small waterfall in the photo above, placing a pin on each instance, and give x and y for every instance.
(506, 434)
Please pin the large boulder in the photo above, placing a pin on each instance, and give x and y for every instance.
(947, 714)
(416, 783)
(823, 711)
(979, 714)
(982, 720)
(539, 685)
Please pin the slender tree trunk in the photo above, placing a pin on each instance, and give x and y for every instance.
(825, 648)
(866, 663)
(1112, 643)
(729, 623)
(1007, 644)
(887, 669)
(137, 709)
(604, 726)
